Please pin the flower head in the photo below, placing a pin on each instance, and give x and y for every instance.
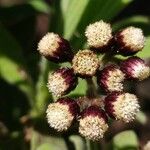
(135, 68)
(61, 114)
(92, 124)
(111, 79)
(98, 35)
(62, 81)
(130, 40)
(122, 106)
(147, 146)
(55, 48)
(85, 63)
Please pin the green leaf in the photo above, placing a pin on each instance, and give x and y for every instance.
(17, 13)
(22, 25)
(64, 6)
(78, 142)
(138, 21)
(40, 6)
(57, 23)
(141, 117)
(10, 71)
(12, 64)
(95, 11)
(81, 88)
(42, 142)
(43, 97)
(115, 8)
(73, 16)
(126, 140)
(145, 53)
(47, 146)
(42, 94)
(11, 50)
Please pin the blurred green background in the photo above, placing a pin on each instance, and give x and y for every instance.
(23, 73)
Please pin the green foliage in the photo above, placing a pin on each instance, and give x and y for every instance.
(95, 11)
(43, 142)
(81, 88)
(141, 117)
(139, 21)
(11, 50)
(40, 6)
(73, 15)
(145, 53)
(43, 97)
(12, 63)
(76, 15)
(126, 140)
(78, 142)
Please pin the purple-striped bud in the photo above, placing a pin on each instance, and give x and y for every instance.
(129, 41)
(61, 114)
(111, 79)
(122, 106)
(135, 68)
(62, 81)
(85, 63)
(93, 123)
(55, 48)
(99, 35)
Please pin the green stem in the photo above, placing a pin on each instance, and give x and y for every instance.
(70, 145)
(88, 144)
(41, 94)
(92, 90)
(106, 58)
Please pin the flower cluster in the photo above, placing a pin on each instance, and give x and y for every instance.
(93, 113)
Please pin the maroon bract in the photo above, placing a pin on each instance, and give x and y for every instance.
(135, 68)
(62, 81)
(73, 106)
(129, 41)
(122, 106)
(93, 123)
(111, 78)
(55, 48)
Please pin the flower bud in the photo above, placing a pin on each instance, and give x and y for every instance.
(99, 35)
(85, 63)
(61, 114)
(129, 41)
(92, 124)
(122, 106)
(147, 146)
(62, 81)
(111, 79)
(135, 68)
(55, 48)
